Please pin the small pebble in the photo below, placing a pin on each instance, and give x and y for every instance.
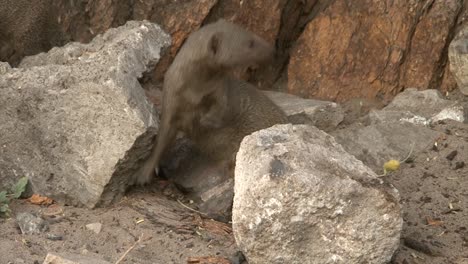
(95, 227)
(54, 237)
(31, 224)
(189, 245)
(452, 155)
(459, 165)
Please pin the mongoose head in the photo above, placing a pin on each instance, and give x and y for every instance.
(226, 45)
(231, 46)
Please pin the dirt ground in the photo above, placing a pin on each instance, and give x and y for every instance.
(434, 197)
(169, 232)
(434, 194)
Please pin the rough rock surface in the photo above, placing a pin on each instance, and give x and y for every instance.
(458, 55)
(31, 224)
(420, 107)
(357, 108)
(352, 216)
(79, 116)
(322, 114)
(396, 131)
(334, 49)
(378, 143)
(373, 49)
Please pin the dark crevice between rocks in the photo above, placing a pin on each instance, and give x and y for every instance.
(81, 21)
(148, 80)
(123, 14)
(295, 16)
(32, 30)
(421, 9)
(289, 31)
(212, 14)
(125, 169)
(440, 67)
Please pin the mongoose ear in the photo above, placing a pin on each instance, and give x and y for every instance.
(215, 43)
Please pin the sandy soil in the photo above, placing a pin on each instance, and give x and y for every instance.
(434, 196)
(170, 232)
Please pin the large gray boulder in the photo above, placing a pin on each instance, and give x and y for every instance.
(75, 120)
(299, 197)
(458, 58)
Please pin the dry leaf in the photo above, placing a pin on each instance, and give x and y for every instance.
(212, 226)
(40, 200)
(433, 222)
(53, 210)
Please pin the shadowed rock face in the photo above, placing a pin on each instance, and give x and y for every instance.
(28, 28)
(75, 120)
(327, 49)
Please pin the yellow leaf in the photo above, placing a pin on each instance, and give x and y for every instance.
(391, 165)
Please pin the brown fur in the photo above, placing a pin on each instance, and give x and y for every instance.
(248, 110)
(199, 70)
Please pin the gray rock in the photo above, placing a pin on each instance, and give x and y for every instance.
(357, 108)
(4, 67)
(322, 114)
(30, 224)
(54, 237)
(69, 258)
(378, 143)
(396, 131)
(458, 58)
(301, 198)
(95, 227)
(75, 120)
(419, 108)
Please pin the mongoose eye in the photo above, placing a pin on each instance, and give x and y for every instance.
(251, 43)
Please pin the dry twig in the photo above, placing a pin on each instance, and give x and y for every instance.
(129, 249)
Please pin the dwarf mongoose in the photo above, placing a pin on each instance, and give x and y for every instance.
(247, 110)
(199, 69)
